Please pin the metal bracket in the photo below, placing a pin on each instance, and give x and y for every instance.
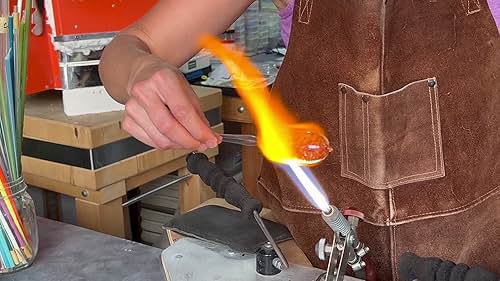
(345, 250)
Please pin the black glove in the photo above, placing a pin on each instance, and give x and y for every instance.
(413, 267)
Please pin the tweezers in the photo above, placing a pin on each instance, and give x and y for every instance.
(246, 140)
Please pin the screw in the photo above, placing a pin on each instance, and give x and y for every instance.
(278, 264)
(241, 109)
(343, 90)
(85, 193)
(365, 98)
(431, 83)
(363, 251)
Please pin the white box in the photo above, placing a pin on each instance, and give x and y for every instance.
(89, 100)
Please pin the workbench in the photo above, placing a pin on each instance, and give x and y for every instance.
(68, 252)
(91, 159)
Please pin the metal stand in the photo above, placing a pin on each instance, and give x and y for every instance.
(345, 249)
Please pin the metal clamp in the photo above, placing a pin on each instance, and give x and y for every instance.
(345, 249)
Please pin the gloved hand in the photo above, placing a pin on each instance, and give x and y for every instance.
(413, 267)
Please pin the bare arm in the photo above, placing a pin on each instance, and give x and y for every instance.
(140, 69)
(170, 32)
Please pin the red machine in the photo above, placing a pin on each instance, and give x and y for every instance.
(64, 21)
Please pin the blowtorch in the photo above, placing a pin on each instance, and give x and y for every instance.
(345, 250)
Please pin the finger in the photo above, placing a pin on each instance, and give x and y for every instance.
(176, 89)
(141, 119)
(160, 117)
(196, 102)
(136, 131)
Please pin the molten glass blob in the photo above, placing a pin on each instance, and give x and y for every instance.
(310, 148)
(280, 136)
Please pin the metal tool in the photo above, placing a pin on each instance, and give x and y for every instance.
(196, 260)
(246, 140)
(156, 189)
(234, 193)
(280, 263)
(345, 249)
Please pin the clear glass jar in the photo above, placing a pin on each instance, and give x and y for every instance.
(18, 227)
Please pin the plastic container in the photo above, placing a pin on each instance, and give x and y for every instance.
(18, 227)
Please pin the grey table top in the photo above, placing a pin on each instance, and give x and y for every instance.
(71, 253)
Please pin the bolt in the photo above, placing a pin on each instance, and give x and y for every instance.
(85, 193)
(363, 251)
(241, 109)
(278, 264)
(321, 249)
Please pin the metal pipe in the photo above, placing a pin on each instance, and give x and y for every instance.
(270, 239)
(156, 189)
(336, 221)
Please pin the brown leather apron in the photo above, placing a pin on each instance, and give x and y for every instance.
(409, 94)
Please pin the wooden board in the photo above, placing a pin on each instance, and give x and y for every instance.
(105, 195)
(45, 120)
(234, 110)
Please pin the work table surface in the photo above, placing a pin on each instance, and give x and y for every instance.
(67, 252)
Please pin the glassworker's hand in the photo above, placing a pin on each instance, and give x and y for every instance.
(164, 112)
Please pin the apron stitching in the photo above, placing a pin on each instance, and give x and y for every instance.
(315, 210)
(382, 51)
(433, 131)
(307, 9)
(456, 210)
(342, 118)
(364, 138)
(393, 206)
(402, 180)
(368, 140)
(393, 254)
(438, 118)
(468, 12)
(419, 217)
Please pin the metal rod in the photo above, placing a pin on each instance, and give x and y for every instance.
(246, 140)
(156, 189)
(270, 239)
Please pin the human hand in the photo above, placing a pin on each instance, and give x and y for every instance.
(163, 111)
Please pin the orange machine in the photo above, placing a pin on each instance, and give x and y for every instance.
(68, 23)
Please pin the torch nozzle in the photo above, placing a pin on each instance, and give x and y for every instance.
(328, 212)
(336, 221)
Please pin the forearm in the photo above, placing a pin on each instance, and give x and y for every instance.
(120, 58)
(168, 34)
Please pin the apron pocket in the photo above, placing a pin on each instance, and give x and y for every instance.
(392, 139)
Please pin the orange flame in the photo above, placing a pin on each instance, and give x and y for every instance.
(280, 137)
